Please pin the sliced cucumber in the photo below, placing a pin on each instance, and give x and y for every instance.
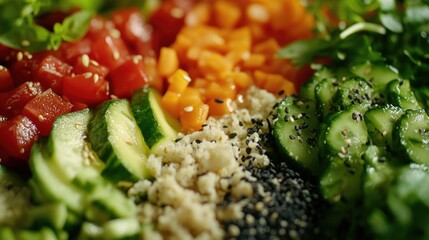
(379, 173)
(68, 148)
(51, 183)
(115, 136)
(345, 134)
(295, 133)
(411, 135)
(422, 96)
(307, 90)
(118, 229)
(380, 121)
(53, 215)
(400, 94)
(324, 93)
(341, 181)
(155, 123)
(378, 75)
(354, 91)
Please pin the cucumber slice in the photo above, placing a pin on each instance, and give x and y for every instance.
(411, 135)
(324, 93)
(68, 148)
(53, 215)
(400, 94)
(155, 123)
(51, 184)
(295, 133)
(352, 92)
(379, 173)
(380, 121)
(341, 181)
(345, 134)
(307, 90)
(117, 229)
(115, 136)
(378, 75)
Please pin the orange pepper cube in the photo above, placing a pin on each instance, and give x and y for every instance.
(179, 81)
(170, 102)
(219, 106)
(168, 61)
(194, 116)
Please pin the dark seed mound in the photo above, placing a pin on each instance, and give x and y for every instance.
(284, 209)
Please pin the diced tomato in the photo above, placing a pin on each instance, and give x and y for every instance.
(128, 77)
(109, 51)
(6, 81)
(168, 19)
(86, 88)
(84, 64)
(17, 136)
(50, 71)
(99, 25)
(44, 109)
(135, 32)
(12, 102)
(22, 70)
(77, 106)
(73, 50)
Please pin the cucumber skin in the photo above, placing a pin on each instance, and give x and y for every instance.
(141, 111)
(148, 122)
(99, 137)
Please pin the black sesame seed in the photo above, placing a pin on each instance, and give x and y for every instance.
(248, 150)
(232, 135)
(281, 92)
(292, 137)
(218, 100)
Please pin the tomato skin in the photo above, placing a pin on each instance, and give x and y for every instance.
(127, 78)
(44, 109)
(109, 51)
(98, 25)
(93, 67)
(134, 30)
(85, 89)
(166, 26)
(50, 71)
(6, 81)
(18, 135)
(12, 102)
(73, 50)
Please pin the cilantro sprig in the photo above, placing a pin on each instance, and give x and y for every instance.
(20, 30)
(388, 31)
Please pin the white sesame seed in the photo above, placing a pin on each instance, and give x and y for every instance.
(187, 78)
(25, 43)
(19, 56)
(87, 75)
(188, 109)
(41, 118)
(116, 55)
(115, 33)
(85, 60)
(22, 151)
(96, 78)
(137, 58)
(95, 63)
(1, 68)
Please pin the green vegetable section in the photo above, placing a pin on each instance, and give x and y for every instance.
(372, 101)
(76, 172)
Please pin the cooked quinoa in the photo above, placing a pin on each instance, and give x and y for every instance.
(202, 180)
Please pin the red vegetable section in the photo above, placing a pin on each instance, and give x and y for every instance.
(113, 59)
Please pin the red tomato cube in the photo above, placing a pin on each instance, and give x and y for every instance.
(50, 72)
(109, 51)
(44, 109)
(86, 88)
(73, 50)
(17, 136)
(128, 77)
(12, 102)
(84, 64)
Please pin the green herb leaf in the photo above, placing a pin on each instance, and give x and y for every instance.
(303, 52)
(75, 26)
(29, 37)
